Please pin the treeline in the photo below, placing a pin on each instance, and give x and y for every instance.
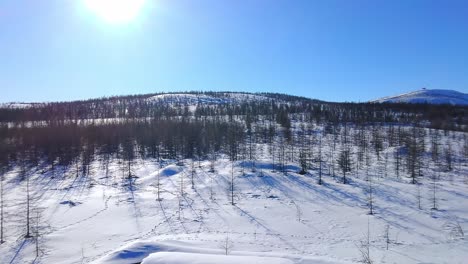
(141, 106)
(72, 144)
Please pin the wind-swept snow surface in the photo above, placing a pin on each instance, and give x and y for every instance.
(183, 258)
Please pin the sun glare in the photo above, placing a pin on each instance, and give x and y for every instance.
(116, 11)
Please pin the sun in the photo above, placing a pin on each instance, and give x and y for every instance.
(116, 11)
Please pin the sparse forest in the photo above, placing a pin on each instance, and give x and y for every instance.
(127, 127)
(360, 145)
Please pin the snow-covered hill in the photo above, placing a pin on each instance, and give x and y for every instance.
(193, 100)
(434, 96)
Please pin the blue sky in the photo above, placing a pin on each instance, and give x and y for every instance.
(336, 50)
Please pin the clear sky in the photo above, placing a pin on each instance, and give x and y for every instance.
(336, 50)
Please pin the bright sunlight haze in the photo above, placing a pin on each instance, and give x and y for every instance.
(116, 11)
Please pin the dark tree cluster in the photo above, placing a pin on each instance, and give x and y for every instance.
(72, 144)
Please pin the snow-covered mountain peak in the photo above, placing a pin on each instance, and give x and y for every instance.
(431, 96)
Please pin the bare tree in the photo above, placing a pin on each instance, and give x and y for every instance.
(397, 158)
(128, 153)
(448, 157)
(2, 205)
(344, 161)
(212, 162)
(418, 195)
(37, 230)
(179, 207)
(232, 183)
(211, 187)
(364, 247)
(303, 161)
(377, 140)
(465, 148)
(320, 159)
(158, 183)
(385, 165)
(250, 142)
(192, 174)
(28, 201)
(282, 154)
(227, 244)
(182, 187)
(298, 211)
(304, 151)
(387, 235)
(415, 145)
(457, 231)
(434, 192)
(435, 143)
(83, 258)
(370, 189)
(360, 141)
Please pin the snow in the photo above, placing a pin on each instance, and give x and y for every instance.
(277, 218)
(178, 252)
(190, 252)
(183, 258)
(432, 96)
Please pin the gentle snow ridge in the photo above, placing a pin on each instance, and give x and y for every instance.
(178, 252)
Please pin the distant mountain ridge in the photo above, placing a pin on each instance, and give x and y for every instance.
(193, 98)
(189, 98)
(430, 96)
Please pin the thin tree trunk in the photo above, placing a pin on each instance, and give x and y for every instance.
(28, 205)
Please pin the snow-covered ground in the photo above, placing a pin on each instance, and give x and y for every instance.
(277, 217)
(432, 96)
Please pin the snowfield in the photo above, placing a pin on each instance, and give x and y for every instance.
(277, 217)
